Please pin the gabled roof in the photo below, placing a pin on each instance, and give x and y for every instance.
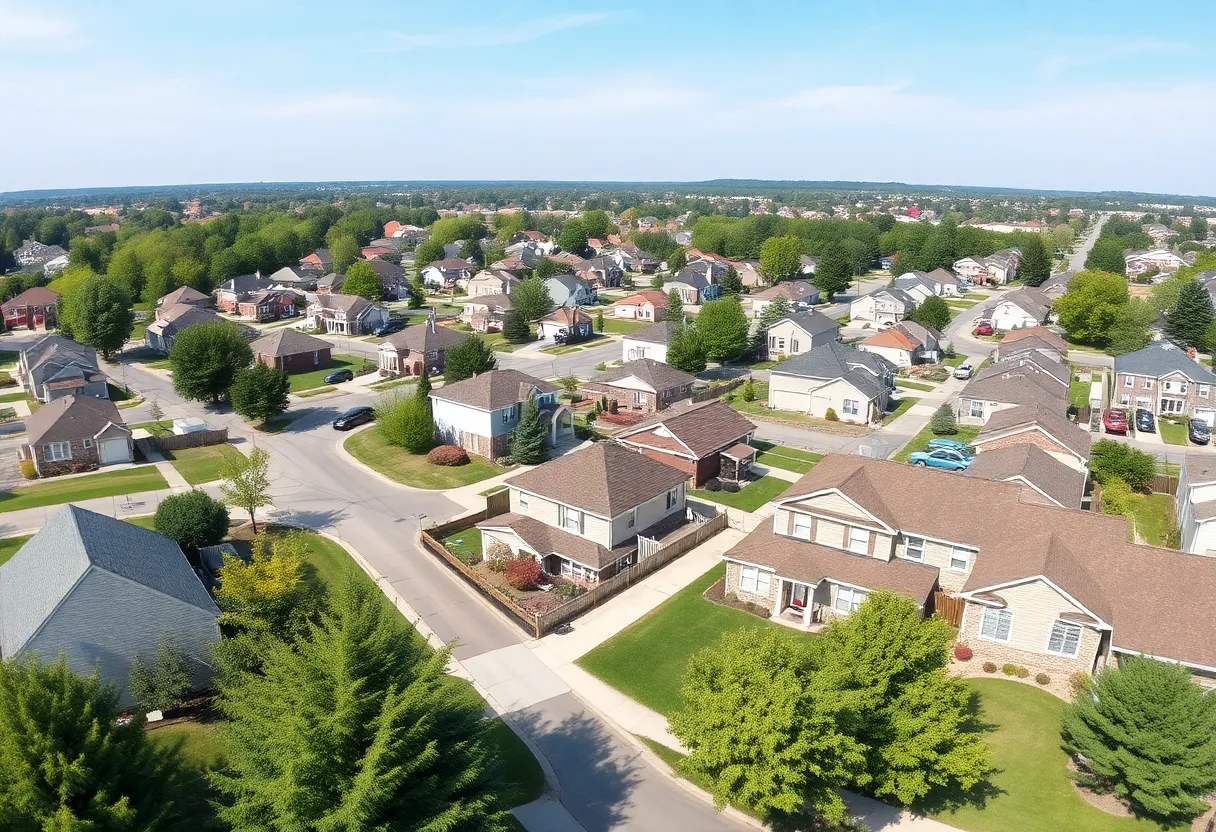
(652, 296)
(389, 273)
(1160, 358)
(567, 316)
(288, 341)
(546, 540)
(792, 289)
(1061, 483)
(493, 390)
(183, 294)
(1016, 385)
(572, 282)
(894, 338)
(60, 348)
(657, 333)
(288, 274)
(1013, 419)
(352, 305)
(699, 429)
(835, 360)
(689, 277)
(812, 323)
(70, 417)
(658, 375)
(46, 569)
(605, 479)
(425, 338)
(244, 284)
(1029, 299)
(452, 264)
(1035, 333)
(34, 296)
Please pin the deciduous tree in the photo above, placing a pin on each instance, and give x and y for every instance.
(1091, 306)
(361, 279)
(779, 258)
(1110, 459)
(685, 350)
(193, 518)
(468, 358)
(834, 272)
(259, 392)
(407, 422)
(677, 260)
(933, 312)
(573, 237)
(723, 328)
(532, 298)
(205, 359)
(100, 314)
(344, 251)
(515, 327)
(165, 682)
(271, 593)
(246, 482)
(1107, 256)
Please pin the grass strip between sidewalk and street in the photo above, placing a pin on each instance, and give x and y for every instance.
(373, 450)
(77, 489)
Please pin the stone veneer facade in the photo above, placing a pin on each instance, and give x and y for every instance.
(1000, 653)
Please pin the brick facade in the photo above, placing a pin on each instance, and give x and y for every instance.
(297, 363)
(1000, 653)
(83, 459)
(626, 398)
(732, 588)
(1025, 437)
(490, 447)
(698, 470)
(1156, 393)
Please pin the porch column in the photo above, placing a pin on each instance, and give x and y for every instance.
(810, 603)
(780, 595)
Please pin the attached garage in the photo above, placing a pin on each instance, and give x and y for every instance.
(1207, 415)
(114, 445)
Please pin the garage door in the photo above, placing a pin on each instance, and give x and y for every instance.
(114, 450)
(788, 399)
(1205, 414)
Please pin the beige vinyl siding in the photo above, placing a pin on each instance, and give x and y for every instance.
(1035, 607)
(881, 546)
(828, 533)
(546, 511)
(836, 504)
(938, 555)
(648, 513)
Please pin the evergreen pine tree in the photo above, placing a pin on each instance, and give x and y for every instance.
(423, 390)
(1035, 266)
(675, 306)
(943, 422)
(528, 439)
(731, 283)
(1189, 321)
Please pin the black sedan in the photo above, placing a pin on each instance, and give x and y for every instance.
(1198, 432)
(338, 376)
(354, 417)
(1145, 422)
(388, 328)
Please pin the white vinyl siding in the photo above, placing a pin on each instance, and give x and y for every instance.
(1065, 639)
(960, 559)
(570, 519)
(996, 625)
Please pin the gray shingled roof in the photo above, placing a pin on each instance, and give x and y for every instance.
(1161, 358)
(835, 360)
(658, 375)
(812, 323)
(70, 417)
(288, 341)
(659, 333)
(46, 569)
(493, 390)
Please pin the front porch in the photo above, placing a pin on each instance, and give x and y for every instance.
(802, 606)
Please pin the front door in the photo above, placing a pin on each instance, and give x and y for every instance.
(800, 596)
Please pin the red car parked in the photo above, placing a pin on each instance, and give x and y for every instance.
(985, 328)
(1115, 421)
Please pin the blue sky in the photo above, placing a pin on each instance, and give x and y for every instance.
(1096, 95)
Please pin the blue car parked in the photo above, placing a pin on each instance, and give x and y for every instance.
(944, 458)
(951, 445)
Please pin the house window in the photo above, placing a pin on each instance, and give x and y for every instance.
(848, 599)
(88, 443)
(960, 559)
(1065, 639)
(1172, 406)
(859, 541)
(752, 579)
(570, 519)
(802, 527)
(632, 519)
(1148, 384)
(977, 409)
(794, 346)
(996, 625)
(523, 500)
(852, 407)
(59, 451)
(1203, 390)
(672, 498)
(915, 549)
(1128, 381)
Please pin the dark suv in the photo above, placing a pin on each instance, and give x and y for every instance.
(1198, 431)
(354, 417)
(338, 376)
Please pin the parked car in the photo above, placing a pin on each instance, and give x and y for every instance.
(339, 376)
(354, 417)
(951, 445)
(945, 458)
(984, 328)
(964, 371)
(388, 328)
(1144, 421)
(1198, 432)
(1115, 421)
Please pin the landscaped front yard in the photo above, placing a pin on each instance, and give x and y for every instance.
(316, 378)
(789, 459)
(75, 489)
(760, 410)
(748, 498)
(919, 442)
(900, 409)
(370, 448)
(200, 465)
(464, 544)
(1173, 433)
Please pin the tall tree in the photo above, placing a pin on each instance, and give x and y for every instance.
(428, 253)
(531, 297)
(100, 314)
(192, 518)
(1107, 256)
(356, 726)
(1091, 306)
(1199, 227)
(515, 327)
(723, 328)
(677, 260)
(548, 267)
(1189, 321)
(473, 252)
(934, 312)
(685, 350)
(730, 283)
(344, 251)
(675, 306)
(164, 682)
(939, 250)
(68, 764)
(834, 272)
(780, 258)
(573, 237)
(776, 309)
(1129, 332)
(529, 437)
(1145, 731)
(259, 393)
(1035, 266)
(468, 358)
(246, 482)
(361, 279)
(205, 359)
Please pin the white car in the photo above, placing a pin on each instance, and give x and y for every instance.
(964, 371)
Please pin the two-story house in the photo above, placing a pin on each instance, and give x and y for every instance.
(479, 413)
(491, 282)
(1196, 504)
(905, 344)
(1013, 383)
(443, 274)
(1164, 379)
(853, 384)
(417, 349)
(883, 306)
(55, 366)
(35, 308)
(581, 515)
(346, 314)
(800, 332)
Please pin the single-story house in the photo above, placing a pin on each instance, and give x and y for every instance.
(35, 308)
(55, 366)
(443, 274)
(1057, 284)
(905, 344)
(581, 515)
(854, 384)
(170, 321)
(76, 433)
(293, 277)
(486, 313)
(1021, 308)
(417, 349)
(570, 290)
(565, 320)
(183, 295)
(646, 305)
(648, 342)
(800, 332)
(1162, 260)
(479, 413)
(1044, 478)
(644, 385)
(100, 592)
(346, 314)
(291, 350)
(700, 439)
(1036, 424)
(801, 294)
(882, 306)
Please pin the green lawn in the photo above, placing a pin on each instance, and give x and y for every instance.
(623, 327)
(900, 409)
(10, 545)
(200, 465)
(159, 364)
(110, 484)
(914, 385)
(1172, 434)
(498, 342)
(1154, 515)
(491, 490)
(391, 383)
(162, 428)
(748, 498)
(919, 442)
(789, 459)
(1078, 392)
(757, 408)
(316, 378)
(8, 358)
(955, 361)
(12, 397)
(202, 751)
(399, 465)
(118, 394)
(464, 544)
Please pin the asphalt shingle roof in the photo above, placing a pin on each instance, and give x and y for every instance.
(288, 341)
(493, 390)
(659, 333)
(835, 360)
(70, 417)
(1161, 358)
(658, 375)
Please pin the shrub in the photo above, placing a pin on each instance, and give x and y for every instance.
(1043, 679)
(730, 487)
(450, 455)
(601, 366)
(748, 392)
(831, 415)
(1116, 496)
(1022, 673)
(730, 397)
(962, 652)
(523, 573)
(26, 466)
(713, 484)
(1009, 669)
(1079, 682)
(1115, 460)
(943, 422)
(568, 591)
(989, 667)
(193, 518)
(498, 551)
(498, 564)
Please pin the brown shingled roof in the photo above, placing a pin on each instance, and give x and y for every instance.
(1060, 482)
(546, 540)
(658, 375)
(1014, 419)
(493, 390)
(288, 341)
(1040, 333)
(606, 479)
(700, 428)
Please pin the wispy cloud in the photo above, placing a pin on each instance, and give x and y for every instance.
(859, 104)
(485, 36)
(1089, 53)
(25, 27)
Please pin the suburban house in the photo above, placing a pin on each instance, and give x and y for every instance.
(53, 267)
(76, 433)
(1035, 339)
(646, 305)
(694, 286)
(603, 272)
(648, 342)
(801, 295)
(1164, 379)
(373, 252)
(581, 515)
(1036, 424)
(55, 366)
(1009, 384)
(291, 350)
(486, 313)
(293, 277)
(330, 283)
(417, 349)
(632, 259)
(443, 274)
(1021, 308)
(905, 344)
(643, 385)
(570, 290)
(998, 268)
(32, 252)
(407, 234)
(882, 306)
(491, 282)
(570, 321)
(1057, 284)
(799, 332)
(346, 314)
(854, 384)
(808, 264)
(171, 320)
(916, 285)
(100, 592)
(1156, 261)
(392, 279)
(270, 305)
(235, 290)
(1043, 477)
(479, 413)
(750, 273)
(319, 261)
(1055, 589)
(1195, 504)
(35, 308)
(704, 440)
(182, 295)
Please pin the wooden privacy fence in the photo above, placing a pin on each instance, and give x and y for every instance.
(505, 602)
(1164, 484)
(949, 608)
(198, 439)
(719, 389)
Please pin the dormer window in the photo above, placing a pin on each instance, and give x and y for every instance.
(859, 541)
